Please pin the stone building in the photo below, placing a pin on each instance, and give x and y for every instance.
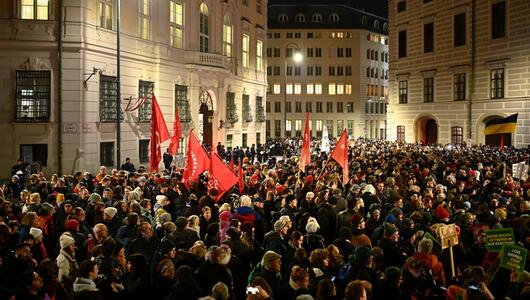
(457, 65)
(58, 62)
(340, 78)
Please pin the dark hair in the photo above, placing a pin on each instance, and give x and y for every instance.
(108, 246)
(86, 267)
(325, 289)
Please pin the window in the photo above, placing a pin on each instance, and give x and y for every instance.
(175, 23)
(288, 106)
(34, 9)
(300, 18)
(340, 89)
(268, 107)
(269, 52)
(309, 106)
(340, 107)
(368, 72)
(310, 71)
(182, 103)
(204, 35)
(145, 91)
(288, 52)
(269, 71)
(318, 70)
(348, 71)
(298, 106)
(348, 52)
(403, 91)
(340, 71)
(310, 89)
(310, 35)
(106, 153)
(107, 98)
(349, 107)
(350, 127)
(318, 52)
(276, 70)
(33, 96)
(332, 89)
(402, 44)
(258, 6)
(309, 52)
(245, 2)
(428, 37)
(276, 52)
(498, 20)
(460, 86)
(457, 135)
(297, 71)
(277, 35)
(459, 30)
(288, 127)
(145, 19)
(231, 108)
(318, 89)
(333, 18)
(297, 89)
(105, 13)
(289, 35)
(277, 107)
(277, 128)
(143, 151)
(245, 50)
(289, 88)
(331, 70)
(329, 107)
(319, 106)
(319, 127)
(400, 133)
(347, 89)
(268, 128)
(497, 83)
(316, 18)
(259, 56)
(329, 125)
(34, 153)
(340, 52)
(401, 6)
(227, 36)
(428, 89)
(244, 140)
(340, 126)
(276, 89)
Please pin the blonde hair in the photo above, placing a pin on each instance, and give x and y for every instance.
(224, 207)
(198, 249)
(34, 198)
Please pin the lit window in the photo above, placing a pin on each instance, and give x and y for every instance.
(276, 89)
(310, 89)
(289, 88)
(34, 9)
(145, 19)
(175, 23)
(105, 13)
(227, 36)
(297, 89)
(332, 89)
(245, 49)
(340, 89)
(204, 35)
(318, 89)
(347, 89)
(259, 55)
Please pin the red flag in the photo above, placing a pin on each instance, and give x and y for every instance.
(305, 157)
(241, 178)
(340, 155)
(159, 134)
(197, 160)
(221, 177)
(232, 162)
(177, 135)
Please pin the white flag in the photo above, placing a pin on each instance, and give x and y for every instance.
(325, 140)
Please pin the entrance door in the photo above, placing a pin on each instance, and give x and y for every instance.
(431, 132)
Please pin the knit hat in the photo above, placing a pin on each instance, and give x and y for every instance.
(72, 224)
(35, 232)
(111, 211)
(389, 228)
(65, 241)
(441, 213)
(312, 225)
(268, 258)
(356, 220)
(425, 246)
(280, 224)
(392, 274)
(289, 199)
(48, 207)
(361, 254)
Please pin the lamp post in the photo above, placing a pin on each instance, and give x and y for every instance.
(297, 58)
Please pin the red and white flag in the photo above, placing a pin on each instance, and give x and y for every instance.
(221, 177)
(340, 155)
(177, 135)
(305, 157)
(197, 160)
(159, 134)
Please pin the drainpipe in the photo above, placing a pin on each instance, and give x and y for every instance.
(59, 25)
(473, 69)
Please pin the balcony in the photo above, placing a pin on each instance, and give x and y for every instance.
(260, 114)
(231, 114)
(207, 59)
(247, 114)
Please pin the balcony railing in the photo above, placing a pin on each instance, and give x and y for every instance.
(260, 114)
(247, 114)
(207, 59)
(231, 114)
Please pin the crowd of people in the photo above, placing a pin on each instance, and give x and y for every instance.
(288, 234)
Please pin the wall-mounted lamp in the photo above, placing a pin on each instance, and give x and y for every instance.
(94, 71)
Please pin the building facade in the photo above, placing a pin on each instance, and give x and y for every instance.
(59, 66)
(330, 61)
(457, 65)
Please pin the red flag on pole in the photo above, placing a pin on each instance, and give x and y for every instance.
(241, 178)
(340, 155)
(159, 134)
(177, 135)
(305, 157)
(232, 162)
(221, 177)
(197, 160)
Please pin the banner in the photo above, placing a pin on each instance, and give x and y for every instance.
(496, 238)
(513, 257)
(325, 147)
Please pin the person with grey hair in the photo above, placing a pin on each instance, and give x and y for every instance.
(214, 269)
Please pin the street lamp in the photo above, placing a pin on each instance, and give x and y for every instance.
(297, 58)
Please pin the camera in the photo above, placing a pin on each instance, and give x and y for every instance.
(252, 290)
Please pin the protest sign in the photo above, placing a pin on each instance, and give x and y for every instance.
(495, 238)
(513, 257)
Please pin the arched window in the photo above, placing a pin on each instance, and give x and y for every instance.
(385, 27)
(316, 18)
(364, 20)
(334, 18)
(376, 24)
(204, 28)
(300, 18)
(283, 18)
(227, 36)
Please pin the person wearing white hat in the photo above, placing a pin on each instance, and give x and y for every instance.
(66, 263)
(38, 251)
(109, 218)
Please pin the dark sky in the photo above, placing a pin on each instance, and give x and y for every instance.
(377, 7)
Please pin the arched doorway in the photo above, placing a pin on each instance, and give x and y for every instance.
(495, 139)
(426, 131)
(206, 118)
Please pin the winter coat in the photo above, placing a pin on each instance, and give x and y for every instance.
(246, 214)
(67, 267)
(430, 261)
(85, 289)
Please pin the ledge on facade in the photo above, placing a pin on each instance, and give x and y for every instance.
(207, 59)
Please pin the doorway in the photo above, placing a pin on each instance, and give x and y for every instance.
(206, 118)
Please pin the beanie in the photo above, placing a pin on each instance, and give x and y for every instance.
(35, 232)
(356, 220)
(361, 254)
(389, 229)
(280, 224)
(392, 274)
(72, 225)
(111, 211)
(268, 258)
(425, 246)
(441, 213)
(65, 241)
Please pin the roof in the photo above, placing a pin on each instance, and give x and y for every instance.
(324, 16)
(376, 7)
